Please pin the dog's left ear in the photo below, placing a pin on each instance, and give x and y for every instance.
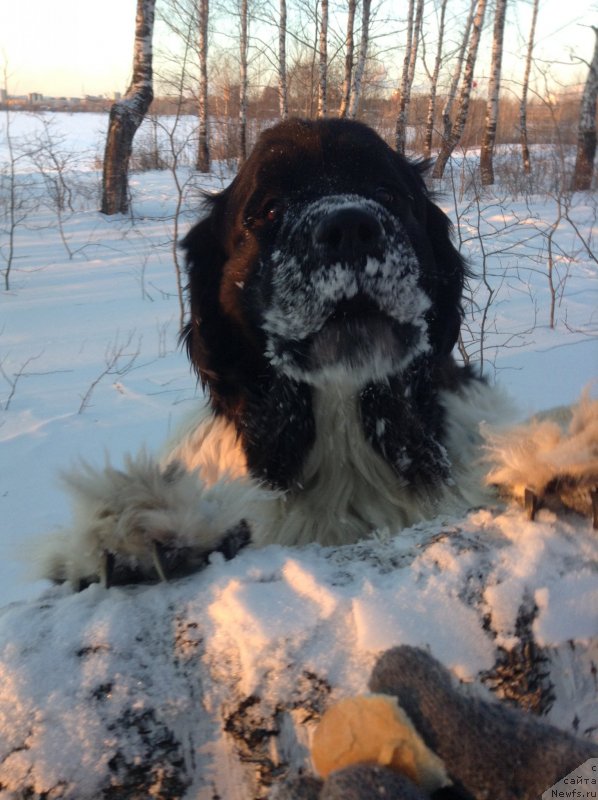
(450, 271)
(445, 277)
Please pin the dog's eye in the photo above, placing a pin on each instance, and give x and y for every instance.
(272, 210)
(259, 214)
(384, 195)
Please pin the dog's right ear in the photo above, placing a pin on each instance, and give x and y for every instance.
(222, 354)
(206, 329)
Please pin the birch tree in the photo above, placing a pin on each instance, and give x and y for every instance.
(524, 90)
(323, 62)
(400, 123)
(586, 131)
(349, 56)
(126, 115)
(417, 28)
(447, 109)
(282, 61)
(357, 80)
(413, 36)
(458, 125)
(429, 131)
(489, 137)
(203, 150)
(243, 80)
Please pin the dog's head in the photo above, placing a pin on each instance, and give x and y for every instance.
(325, 258)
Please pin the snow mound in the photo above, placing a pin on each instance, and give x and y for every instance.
(212, 685)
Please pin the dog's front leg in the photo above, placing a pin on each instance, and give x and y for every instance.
(148, 521)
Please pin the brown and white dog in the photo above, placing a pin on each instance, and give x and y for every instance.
(325, 304)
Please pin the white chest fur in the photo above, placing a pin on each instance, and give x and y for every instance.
(346, 490)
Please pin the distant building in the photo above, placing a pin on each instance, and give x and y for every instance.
(3, 96)
(35, 98)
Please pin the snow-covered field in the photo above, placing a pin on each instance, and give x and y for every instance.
(90, 366)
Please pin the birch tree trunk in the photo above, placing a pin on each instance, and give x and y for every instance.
(400, 123)
(244, 48)
(417, 27)
(527, 168)
(413, 36)
(361, 60)
(126, 115)
(283, 101)
(427, 149)
(492, 105)
(349, 55)
(464, 96)
(203, 149)
(447, 109)
(586, 132)
(323, 70)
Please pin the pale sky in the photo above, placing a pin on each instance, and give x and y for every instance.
(77, 47)
(67, 47)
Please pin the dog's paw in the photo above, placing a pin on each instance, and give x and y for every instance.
(146, 522)
(551, 460)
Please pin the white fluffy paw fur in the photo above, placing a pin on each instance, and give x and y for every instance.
(145, 521)
(554, 456)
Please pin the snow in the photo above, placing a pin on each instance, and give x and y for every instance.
(267, 617)
(264, 620)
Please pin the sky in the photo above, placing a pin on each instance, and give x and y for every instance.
(67, 47)
(77, 47)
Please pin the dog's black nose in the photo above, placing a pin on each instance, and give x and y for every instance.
(347, 233)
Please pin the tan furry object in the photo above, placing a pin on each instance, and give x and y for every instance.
(554, 458)
(375, 729)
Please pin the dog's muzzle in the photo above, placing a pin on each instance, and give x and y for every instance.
(345, 295)
(349, 235)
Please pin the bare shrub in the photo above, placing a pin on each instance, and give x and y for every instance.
(119, 359)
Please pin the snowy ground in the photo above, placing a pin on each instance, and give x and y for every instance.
(210, 686)
(90, 366)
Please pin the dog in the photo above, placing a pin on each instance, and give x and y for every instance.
(325, 303)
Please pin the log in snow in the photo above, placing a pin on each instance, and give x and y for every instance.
(210, 686)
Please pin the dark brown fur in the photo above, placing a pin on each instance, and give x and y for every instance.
(231, 260)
